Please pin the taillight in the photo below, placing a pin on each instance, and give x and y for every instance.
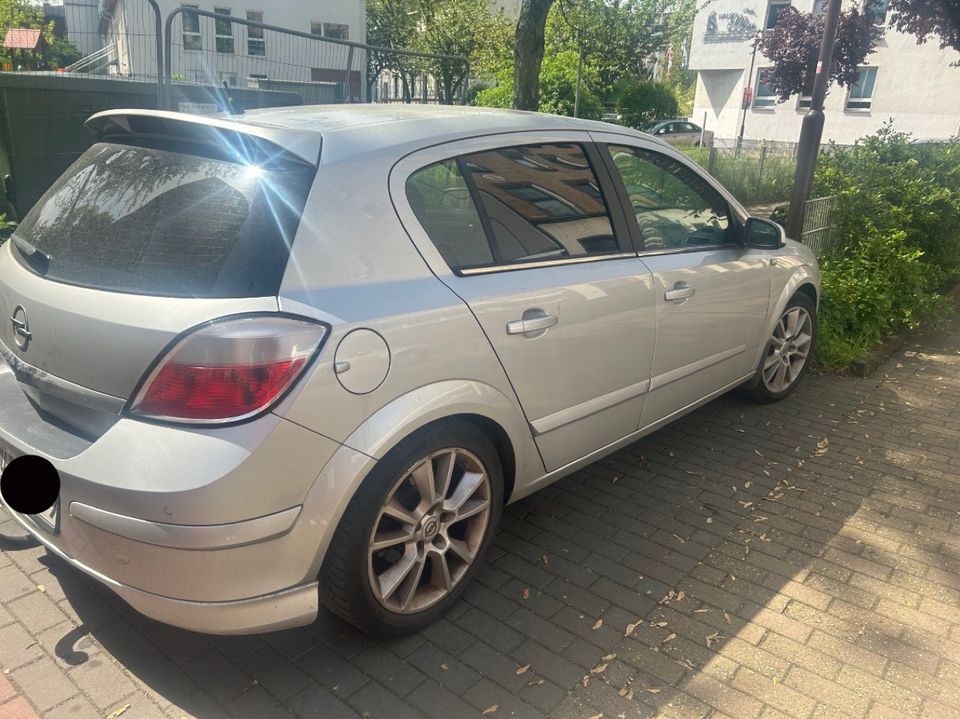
(229, 370)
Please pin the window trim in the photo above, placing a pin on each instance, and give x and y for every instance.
(757, 96)
(256, 40)
(218, 36)
(873, 90)
(770, 4)
(195, 34)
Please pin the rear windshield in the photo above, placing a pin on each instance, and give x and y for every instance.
(145, 220)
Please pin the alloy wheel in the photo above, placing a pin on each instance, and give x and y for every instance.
(429, 530)
(788, 350)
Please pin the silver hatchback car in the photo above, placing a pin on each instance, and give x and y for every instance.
(308, 354)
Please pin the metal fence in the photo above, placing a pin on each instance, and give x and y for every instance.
(213, 49)
(95, 38)
(818, 224)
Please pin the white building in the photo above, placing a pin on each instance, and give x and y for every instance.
(913, 84)
(213, 50)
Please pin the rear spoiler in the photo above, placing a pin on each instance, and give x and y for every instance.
(242, 141)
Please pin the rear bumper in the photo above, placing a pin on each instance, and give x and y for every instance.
(292, 607)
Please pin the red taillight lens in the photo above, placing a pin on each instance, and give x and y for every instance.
(229, 370)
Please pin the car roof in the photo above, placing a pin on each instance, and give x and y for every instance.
(352, 129)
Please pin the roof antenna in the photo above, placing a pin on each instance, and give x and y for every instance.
(232, 107)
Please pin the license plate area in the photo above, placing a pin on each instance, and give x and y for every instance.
(48, 521)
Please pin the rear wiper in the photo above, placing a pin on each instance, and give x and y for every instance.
(39, 260)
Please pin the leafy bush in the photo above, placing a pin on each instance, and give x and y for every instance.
(642, 102)
(897, 241)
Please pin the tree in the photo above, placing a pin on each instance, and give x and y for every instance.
(528, 53)
(21, 13)
(642, 102)
(793, 45)
(924, 18)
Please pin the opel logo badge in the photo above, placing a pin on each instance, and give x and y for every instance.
(21, 328)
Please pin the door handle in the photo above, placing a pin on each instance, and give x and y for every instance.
(680, 293)
(533, 324)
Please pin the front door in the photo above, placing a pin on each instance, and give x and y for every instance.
(531, 246)
(711, 291)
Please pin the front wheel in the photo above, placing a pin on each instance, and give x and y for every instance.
(788, 351)
(416, 531)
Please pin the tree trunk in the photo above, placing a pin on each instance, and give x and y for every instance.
(528, 53)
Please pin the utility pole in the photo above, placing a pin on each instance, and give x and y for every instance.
(812, 129)
(748, 87)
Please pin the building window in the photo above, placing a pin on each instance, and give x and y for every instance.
(191, 29)
(860, 94)
(336, 31)
(876, 10)
(764, 96)
(254, 80)
(256, 45)
(773, 12)
(224, 31)
(332, 30)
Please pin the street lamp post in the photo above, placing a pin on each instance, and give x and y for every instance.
(749, 85)
(812, 129)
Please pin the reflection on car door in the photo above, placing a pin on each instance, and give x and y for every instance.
(711, 292)
(550, 274)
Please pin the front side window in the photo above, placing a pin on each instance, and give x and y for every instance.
(860, 95)
(256, 45)
(191, 29)
(674, 207)
(764, 97)
(224, 30)
(514, 205)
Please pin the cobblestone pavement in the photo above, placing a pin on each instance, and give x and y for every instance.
(796, 560)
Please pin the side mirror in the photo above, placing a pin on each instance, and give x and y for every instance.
(764, 234)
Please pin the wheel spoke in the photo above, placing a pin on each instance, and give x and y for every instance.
(469, 483)
(391, 579)
(460, 548)
(771, 361)
(397, 511)
(384, 540)
(792, 317)
(412, 583)
(445, 467)
(440, 571)
(471, 508)
(425, 482)
(802, 341)
(779, 378)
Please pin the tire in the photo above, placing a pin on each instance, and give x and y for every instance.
(777, 377)
(356, 582)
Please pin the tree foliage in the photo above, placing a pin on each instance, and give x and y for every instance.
(925, 18)
(640, 103)
(793, 45)
(462, 28)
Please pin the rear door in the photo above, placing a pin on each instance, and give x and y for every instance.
(521, 228)
(711, 291)
(138, 241)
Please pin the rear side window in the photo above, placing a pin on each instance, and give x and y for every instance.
(513, 205)
(144, 220)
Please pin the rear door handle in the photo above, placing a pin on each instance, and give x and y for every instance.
(533, 324)
(680, 293)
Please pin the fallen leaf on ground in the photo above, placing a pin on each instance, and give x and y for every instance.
(631, 628)
(609, 657)
(711, 638)
(490, 709)
(117, 712)
(599, 669)
(597, 624)
(523, 669)
(726, 618)
(746, 485)
(526, 593)
(709, 520)
(653, 690)
(821, 447)
(702, 610)
(444, 666)
(41, 588)
(596, 716)
(659, 624)
(670, 637)
(680, 595)
(585, 681)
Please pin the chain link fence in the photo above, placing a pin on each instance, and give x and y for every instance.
(818, 224)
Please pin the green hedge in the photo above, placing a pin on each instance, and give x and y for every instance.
(897, 245)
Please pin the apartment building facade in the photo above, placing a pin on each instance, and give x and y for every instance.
(915, 85)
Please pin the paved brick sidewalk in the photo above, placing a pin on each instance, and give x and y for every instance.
(797, 560)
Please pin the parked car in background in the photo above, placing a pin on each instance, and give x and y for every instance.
(310, 353)
(681, 132)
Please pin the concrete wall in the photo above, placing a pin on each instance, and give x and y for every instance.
(915, 85)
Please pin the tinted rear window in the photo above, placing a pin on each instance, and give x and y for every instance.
(145, 220)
